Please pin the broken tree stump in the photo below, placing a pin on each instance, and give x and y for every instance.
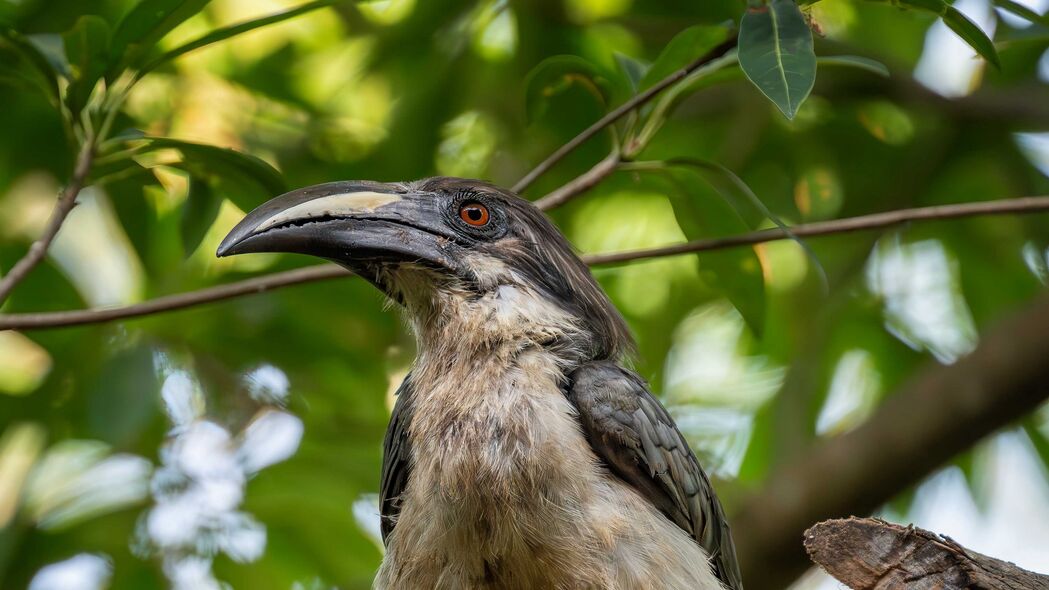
(871, 554)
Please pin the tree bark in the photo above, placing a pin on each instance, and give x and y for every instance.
(939, 413)
(871, 554)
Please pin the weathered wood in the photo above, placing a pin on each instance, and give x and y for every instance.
(871, 554)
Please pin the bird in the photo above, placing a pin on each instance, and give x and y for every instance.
(522, 452)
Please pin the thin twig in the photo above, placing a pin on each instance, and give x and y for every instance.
(58, 319)
(618, 112)
(65, 204)
(834, 226)
(581, 183)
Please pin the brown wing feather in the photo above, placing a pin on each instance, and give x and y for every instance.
(633, 433)
(396, 451)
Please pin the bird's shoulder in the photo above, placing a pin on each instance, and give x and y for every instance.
(638, 440)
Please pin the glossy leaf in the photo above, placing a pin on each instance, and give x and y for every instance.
(686, 47)
(972, 34)
(556, 74)
(87, 49)
(1022, 11)
(854, 61)
(776, 54)
(198, 213)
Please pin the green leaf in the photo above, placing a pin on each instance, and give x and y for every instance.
(23, 64)
(775, 52)
(736, 273)
(198, 213)
(240, 169)
(555, 75)
(632, 69)
(144, 25)
(233, 30)
(87, 49)
(854, 61)
(960, 24)
(1022, 11)
(972, 34)
(686, 47)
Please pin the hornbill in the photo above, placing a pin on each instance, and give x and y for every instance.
(521, 454)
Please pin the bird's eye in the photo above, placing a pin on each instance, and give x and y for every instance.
(474, 214)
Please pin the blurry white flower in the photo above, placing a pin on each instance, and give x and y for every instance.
(267, 385)
(81, 572)
(271, 438)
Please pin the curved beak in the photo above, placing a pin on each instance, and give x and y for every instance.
(350, 223)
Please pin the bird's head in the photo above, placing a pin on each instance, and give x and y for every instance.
(462, 256)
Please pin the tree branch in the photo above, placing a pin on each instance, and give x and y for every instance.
(57, 319)
(937, 414)
(618, 113)
(65, 204)
(867, 553)
(581, 183)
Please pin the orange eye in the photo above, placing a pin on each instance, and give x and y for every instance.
(474, 214)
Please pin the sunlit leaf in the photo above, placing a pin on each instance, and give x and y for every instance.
(231, 31)
(87, 49)
(144, 25)
(555, 75)
(230, 164)
(775, 52)
(854, 61)
(684, 48)
(198, 213)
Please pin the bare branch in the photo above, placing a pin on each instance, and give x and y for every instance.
(581, 183)
(835, 226)
(870, 553)
(941, 411)
(65, 204)
(619, 112)
(26, 321)
(55, 319)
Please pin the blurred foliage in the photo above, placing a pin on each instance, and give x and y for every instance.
(266, 413)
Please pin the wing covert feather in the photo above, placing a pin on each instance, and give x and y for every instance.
(396, 455)
(635, 436)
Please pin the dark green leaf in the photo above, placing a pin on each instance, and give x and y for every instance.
(198, 213)
(683, 49)
(972, 34)
(144, 25)
(554, 75)
(1040, 442)
(736, 273)
(775, 52)
(233, 30)
(1022, 11)
(854, 61)
(87, 49)
(23, 64)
